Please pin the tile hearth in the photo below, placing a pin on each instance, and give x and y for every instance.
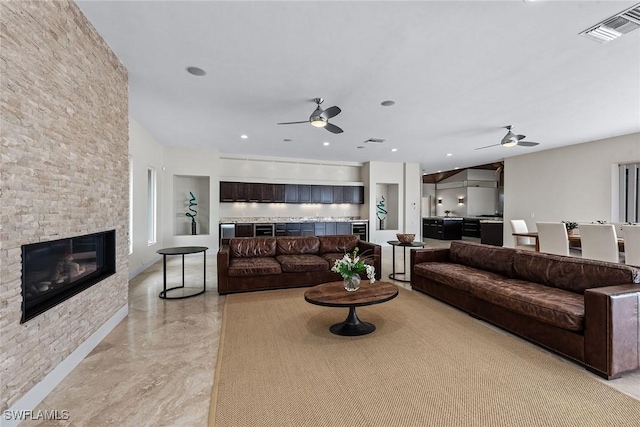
(156, 367)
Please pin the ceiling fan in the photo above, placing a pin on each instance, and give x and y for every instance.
(320, 118)
(511, 139)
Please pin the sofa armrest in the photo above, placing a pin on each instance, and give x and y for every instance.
(428, 255)
(612, 329)
(374, 250)
(224, 257)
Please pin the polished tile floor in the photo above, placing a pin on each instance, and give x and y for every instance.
(156, 367)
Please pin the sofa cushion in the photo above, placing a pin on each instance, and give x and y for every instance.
(455, 275)
(334, 244)
(484, 257)
(252, 247)
(302, 263)
(259, 266)
(554, 306)
(298, 245)
(569, 273)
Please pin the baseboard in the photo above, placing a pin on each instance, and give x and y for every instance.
(133, 272)
(33, 397)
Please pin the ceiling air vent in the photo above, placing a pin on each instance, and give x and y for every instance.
(374, 141)
(615, 26)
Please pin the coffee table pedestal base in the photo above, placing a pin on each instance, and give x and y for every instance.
(352, 326)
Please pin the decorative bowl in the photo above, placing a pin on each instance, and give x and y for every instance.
(405, 238)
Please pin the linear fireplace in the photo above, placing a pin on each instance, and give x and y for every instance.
(57, 270)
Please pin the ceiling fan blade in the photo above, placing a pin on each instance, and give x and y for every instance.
(333, 128)
(492, 145)
(520, 137)
(527, 143)
(293, 123)
(330, 112)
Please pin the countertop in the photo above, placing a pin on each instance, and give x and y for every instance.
(277, 220)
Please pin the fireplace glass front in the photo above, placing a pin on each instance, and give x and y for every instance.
(56, 270)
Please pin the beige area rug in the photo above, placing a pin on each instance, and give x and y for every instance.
(426, 364)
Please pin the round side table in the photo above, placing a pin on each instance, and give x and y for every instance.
(182, 250)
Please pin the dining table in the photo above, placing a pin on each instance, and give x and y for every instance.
(573, 238)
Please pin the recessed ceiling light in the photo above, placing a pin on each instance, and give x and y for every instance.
(456, 168)
(449, 154)
(244, 136)
(360, 146)
(287, 140)
(439, 171)
(196, 71)
(388, 103)
(325, 143)
(394, 150)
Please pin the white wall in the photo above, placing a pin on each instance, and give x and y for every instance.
(180, 161)
(412, 199)
(481, 201)
(144, 152)
(385, 173)
(570, 183)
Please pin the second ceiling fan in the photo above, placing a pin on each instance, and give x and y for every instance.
(320, 118)
(511, 139)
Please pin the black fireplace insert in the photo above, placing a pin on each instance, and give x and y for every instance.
(56, 270)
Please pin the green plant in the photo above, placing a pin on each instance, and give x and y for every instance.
(352, 264)
(570, 225)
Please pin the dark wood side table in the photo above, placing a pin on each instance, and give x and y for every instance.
(404, 246)
(333, 294)
(182, 250)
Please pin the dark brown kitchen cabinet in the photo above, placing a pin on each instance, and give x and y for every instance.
(353, 195)
(293, 229)
(304, 193)
(281, 229)
(244, 230)
(278, 193)
(254, 192)
(291, 193)
(267, 193)
(233, 192)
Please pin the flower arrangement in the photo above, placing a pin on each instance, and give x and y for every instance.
(571, 225)
(351, 264)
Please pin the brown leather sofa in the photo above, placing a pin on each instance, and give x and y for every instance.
(586, 310)
(260, 263)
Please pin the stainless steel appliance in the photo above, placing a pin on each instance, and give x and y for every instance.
(227, 231)
(261, 230)
(360, 230)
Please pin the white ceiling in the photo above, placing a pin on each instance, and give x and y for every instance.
(458, 72)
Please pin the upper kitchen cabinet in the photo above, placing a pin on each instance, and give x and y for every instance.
(290, 193)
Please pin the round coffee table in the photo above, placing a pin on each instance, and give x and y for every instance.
(333, 294)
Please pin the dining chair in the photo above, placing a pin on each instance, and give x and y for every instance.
(599, 242)
(520, 226)
(553, 238)
(632, 244)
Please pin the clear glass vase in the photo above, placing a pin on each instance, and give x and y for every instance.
(352, 283)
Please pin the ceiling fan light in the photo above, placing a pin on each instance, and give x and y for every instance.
(510, 143)
(318, 122)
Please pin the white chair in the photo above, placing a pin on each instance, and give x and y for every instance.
(599, 242)
(632, 244)
(553, 238)
(519, 226)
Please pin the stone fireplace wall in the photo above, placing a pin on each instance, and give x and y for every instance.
(63, 173)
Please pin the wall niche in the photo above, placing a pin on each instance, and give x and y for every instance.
(199, 186)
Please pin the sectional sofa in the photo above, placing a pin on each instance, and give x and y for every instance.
(585, 310)
(260, 263)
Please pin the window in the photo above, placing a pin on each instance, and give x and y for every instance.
(151, 206)
(130, 232)
(629, 184)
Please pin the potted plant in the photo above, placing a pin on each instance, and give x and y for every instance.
(350, 267)
(446, 213)
(571, 225)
